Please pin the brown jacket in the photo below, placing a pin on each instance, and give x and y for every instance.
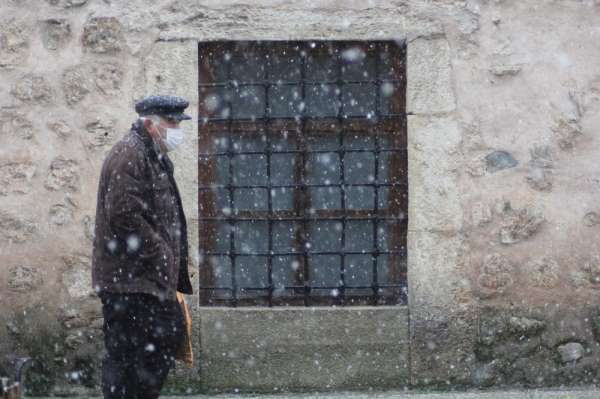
(141, 234)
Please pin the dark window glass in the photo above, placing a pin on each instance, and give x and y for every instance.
(302, 173)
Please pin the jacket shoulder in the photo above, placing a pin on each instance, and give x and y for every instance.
(127, 155)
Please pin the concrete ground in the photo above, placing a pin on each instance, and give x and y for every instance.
(579, 393)
(582, 393)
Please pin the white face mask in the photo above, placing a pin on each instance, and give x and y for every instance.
(174, 138)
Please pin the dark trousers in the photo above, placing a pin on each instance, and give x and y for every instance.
(141, 336)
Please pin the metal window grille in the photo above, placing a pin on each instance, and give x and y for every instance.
(287, 215)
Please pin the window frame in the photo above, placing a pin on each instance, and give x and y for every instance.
(393, 127)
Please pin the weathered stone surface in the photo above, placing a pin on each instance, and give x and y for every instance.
(539, 179)
(68, 3)
(88, 227)
(432, 269)
(61, 214)
(510, 349)
(108, 77)
(541, 156)
(543, 272)
(55, 33)
(430, 88)
(476, 166)
(525, 326)
(24, 278)
(472, 139)
(537, 369)
(337, 347)
(495, 276)
(14, 123)
(15, 177)
(75, 322)
(63, 174)
(103, 35)
(591, 219)
(488, 374)
(514, 117)
(595, 321)
(434, 162)
(15, 229)
(77, 278)
(502, 70)
(499, 160)
(567, 132)
(511, 341)
(481, 214)
(14, 43)
(33, 89)
(519, 225)
(75, 340)
(591, 270)
(76, 84)
(60, 128)
(571, 352)
(579, 278)
(101, 133)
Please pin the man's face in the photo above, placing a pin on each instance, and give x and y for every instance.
(158, 131)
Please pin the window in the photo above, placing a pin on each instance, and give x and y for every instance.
(302, 173)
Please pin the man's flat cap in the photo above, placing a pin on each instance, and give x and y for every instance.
(166, 106)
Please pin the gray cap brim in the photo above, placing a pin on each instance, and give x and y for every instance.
(179, 117)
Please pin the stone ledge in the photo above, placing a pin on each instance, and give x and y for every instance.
(574, 393)
(429, 76)
(297, 348)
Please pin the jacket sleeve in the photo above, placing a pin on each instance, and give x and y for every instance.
(127, 207)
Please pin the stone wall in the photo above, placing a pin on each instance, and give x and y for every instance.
(504, 102)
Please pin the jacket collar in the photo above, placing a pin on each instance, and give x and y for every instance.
(140, 131)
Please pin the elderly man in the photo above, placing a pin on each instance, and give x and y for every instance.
(141, 252)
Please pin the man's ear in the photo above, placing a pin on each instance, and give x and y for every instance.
(147, 122)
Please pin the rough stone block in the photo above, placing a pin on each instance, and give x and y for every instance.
(441, 307)
(24, 278)
(303, 348)
(433, 170)
(55, 33)
(14, 123)
(495, 276)
(435, 266)
(539, 179)
(15, 177)
(499, 160)
(103, 35)
(429, 77)
(88, 227)
(63, 174)
(520, 224)
(571, 352)
(101, 133)
(544, 272)
(33, 89)
(67, 3)
(567, 132)
(14, 43)
(63, 213)
(16, 229)
(108, 77)
(76, 84)
(61, 128)
(77, 278)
